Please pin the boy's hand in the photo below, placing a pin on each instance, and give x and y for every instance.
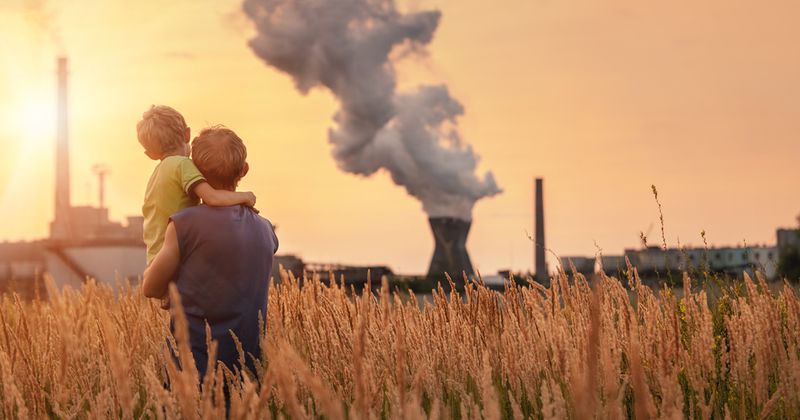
(251, 199)
(164, 301)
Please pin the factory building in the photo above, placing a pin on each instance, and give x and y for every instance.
(655, 262)
(21, 265)
(582, 265)
(728, 260)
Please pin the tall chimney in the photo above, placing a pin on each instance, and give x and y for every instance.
(539, 246)
(61, 227)
(450, 253)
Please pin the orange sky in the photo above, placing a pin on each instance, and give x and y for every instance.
(601, 98)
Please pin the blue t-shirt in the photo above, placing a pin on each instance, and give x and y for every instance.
(223, 279)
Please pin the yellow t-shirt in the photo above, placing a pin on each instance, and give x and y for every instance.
(168, 191)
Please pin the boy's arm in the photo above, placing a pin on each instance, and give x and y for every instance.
(157, 276)
(222, 198)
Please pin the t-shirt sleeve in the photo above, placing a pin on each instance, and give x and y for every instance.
(274, 235)
(190, 175)
(177, 220)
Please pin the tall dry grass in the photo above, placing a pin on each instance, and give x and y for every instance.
(572, 350)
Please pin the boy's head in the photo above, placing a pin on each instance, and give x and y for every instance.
(221, 156)
(163, 132)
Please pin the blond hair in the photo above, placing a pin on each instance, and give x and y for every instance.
(161, 130)
(220, 155)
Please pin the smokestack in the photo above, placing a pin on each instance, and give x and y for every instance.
(101, 171)
(539, 246)
(450, 253)
(61, 225)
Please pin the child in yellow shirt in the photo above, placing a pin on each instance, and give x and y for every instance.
(175, 183)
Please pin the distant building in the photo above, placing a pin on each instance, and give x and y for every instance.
(507, 274)
(87, 222)
(612, 265)
(110, 252)
(114, 261)
(106, 251)
(583, 265)
(788, 238)
(290, 263)
(21, 264)
(353, 275)
(729, 260)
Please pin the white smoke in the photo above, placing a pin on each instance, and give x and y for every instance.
(345, 46)
(44, 19)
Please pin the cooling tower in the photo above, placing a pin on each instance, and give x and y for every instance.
(450, 253)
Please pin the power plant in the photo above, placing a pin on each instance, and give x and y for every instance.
(83, 242)
(80, 223)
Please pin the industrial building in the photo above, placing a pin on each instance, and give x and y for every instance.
(733, 261)
(655, 262)
(350, 275)
(581, 264)
(651, 262)
(83, 241)
(21, 265)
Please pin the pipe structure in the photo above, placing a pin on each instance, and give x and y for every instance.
(539, 246)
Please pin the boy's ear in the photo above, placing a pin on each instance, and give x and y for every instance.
(245, 170)
(187, 135)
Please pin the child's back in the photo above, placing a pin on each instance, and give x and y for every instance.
(168, 192)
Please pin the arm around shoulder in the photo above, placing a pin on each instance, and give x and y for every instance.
(222, 198)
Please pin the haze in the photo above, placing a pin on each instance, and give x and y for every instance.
(602, 99)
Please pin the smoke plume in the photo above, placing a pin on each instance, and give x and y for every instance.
(45, 20)
(345, 46)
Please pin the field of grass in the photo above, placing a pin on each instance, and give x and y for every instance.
(573, 350)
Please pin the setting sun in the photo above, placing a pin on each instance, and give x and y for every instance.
(33, 119)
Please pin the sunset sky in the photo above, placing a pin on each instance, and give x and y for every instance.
(601, 98)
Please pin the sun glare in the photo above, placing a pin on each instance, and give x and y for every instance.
(34, 119)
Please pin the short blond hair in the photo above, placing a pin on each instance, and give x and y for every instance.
(220, 155)
(161, 130)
